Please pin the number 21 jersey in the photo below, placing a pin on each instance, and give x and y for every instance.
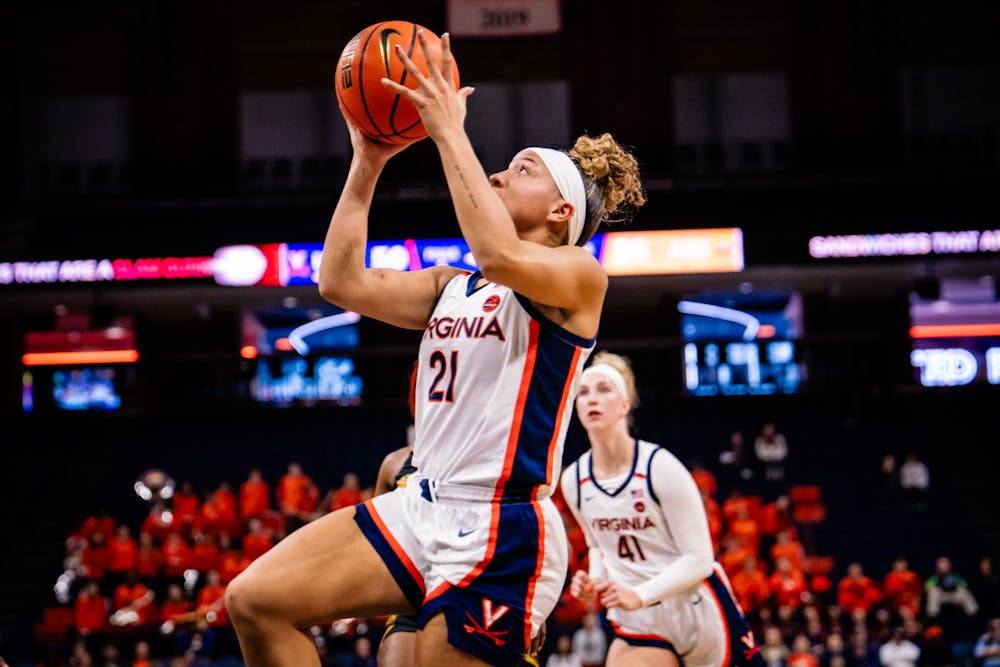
(494, 390)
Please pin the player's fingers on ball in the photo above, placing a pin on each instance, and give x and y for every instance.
(432, 66)
(410, 66)
(412, 95)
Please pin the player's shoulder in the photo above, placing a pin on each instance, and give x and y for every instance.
(657, 456)
(649, 450)
(444, 275)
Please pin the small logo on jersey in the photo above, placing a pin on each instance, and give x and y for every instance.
(463, 533)
(637, 493)
(490, 616)
(640, 506)
(492, 303)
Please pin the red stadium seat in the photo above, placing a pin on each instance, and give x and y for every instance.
(804, 494)
(55, 623)
(813, 565)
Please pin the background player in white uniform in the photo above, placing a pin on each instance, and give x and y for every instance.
(472, 544)
(651, 559)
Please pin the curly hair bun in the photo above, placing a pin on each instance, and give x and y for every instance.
(614, 171)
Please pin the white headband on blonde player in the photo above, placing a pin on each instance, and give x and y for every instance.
(613, 374)
(569, 182)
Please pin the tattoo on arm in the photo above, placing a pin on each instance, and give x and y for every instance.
(468, 190)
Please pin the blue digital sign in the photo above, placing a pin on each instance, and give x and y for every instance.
(289, 381)
(742, 343)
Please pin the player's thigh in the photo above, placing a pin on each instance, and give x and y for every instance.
(323, 571)
(433, 649)
(622, 654)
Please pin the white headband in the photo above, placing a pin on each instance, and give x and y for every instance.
(569, 182)
(612, 373)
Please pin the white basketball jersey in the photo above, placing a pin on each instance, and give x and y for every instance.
(625, 522)
(494, 390)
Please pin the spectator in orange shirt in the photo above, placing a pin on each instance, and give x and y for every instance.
(225, 501)
(257, 542)
(733, 555)
(211, 600)
(788, 547)
(176, 556)
(160, 522)
(231, 561)
(856, 591)
(148, 559)
(275, 523)
(777, 516)
(255, 496)
(90, 613)
(123, 552)
(185, 507)
(903, 587)
(746, 528)
(732, 505)
(347, 495)
(97, 523)
(209, 519)
(204, 553)
(297, 495)
(96, 556)
(703, 478)
(175, 605)
(802, 654)
(141, 655)
(750, 586)
(132, 595)
(787, 587)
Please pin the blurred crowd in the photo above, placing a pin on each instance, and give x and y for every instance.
(153, 594)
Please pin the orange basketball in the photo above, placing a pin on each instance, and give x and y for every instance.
(381, 113)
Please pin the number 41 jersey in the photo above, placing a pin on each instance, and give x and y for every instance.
(494, 391)
(622, 516)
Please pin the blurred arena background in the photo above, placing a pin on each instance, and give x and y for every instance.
(829, 170)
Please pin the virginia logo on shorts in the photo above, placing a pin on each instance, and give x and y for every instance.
(490, 616)
(751, 646)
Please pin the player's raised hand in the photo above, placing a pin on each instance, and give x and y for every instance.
(441, 107)
(367, 149)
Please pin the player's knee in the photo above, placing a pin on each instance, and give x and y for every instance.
(244, 602)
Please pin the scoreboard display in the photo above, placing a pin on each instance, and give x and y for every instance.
(742, 343)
